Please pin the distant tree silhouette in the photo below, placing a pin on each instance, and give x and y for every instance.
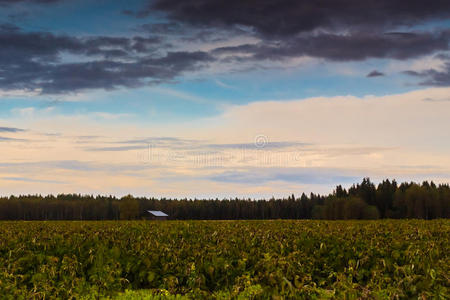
(361, 201)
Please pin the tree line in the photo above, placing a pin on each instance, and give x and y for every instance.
(361, 201)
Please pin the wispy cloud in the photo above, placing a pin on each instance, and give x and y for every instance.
(261, 176)
(32, 180)
(114, 149)
(435, 100)
(11, 129)
(180, 95)
(190, 144)
(258, 145)
(224, 85)
(111, 116)
(9, 139)
(73, 165)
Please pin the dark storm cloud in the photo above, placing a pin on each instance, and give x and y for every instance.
(46, 45)
(18, 46)
(433, 77)
(375, 73)
(109, 74)
(147, 44)
(8, 27)
(356, 46)
(337, 30)
(188, 33)
(276, 18)
(162, 28)
(33, 61)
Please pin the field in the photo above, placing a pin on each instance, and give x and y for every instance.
(225, 259)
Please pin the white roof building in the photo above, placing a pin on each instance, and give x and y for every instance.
(157, 213)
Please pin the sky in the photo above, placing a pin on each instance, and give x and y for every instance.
(206, 99)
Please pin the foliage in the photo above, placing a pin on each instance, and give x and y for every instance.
(129, 208)
(361, 201)
(149, 295)
(397, 259)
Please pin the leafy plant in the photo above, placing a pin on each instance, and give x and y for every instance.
(387, 259)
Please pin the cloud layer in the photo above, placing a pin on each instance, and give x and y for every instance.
(33, 61)
(260, 149)
(433, 77)
(197, 33)
(277, 19)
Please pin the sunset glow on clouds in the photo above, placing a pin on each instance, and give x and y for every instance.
(168, 101)
(262, 148)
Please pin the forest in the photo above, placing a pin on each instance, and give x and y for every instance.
(365, 200)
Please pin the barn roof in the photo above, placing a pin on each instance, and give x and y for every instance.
(157, 213)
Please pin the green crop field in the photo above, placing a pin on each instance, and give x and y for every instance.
(388, 259)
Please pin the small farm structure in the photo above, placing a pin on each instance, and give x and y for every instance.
(156, 215)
